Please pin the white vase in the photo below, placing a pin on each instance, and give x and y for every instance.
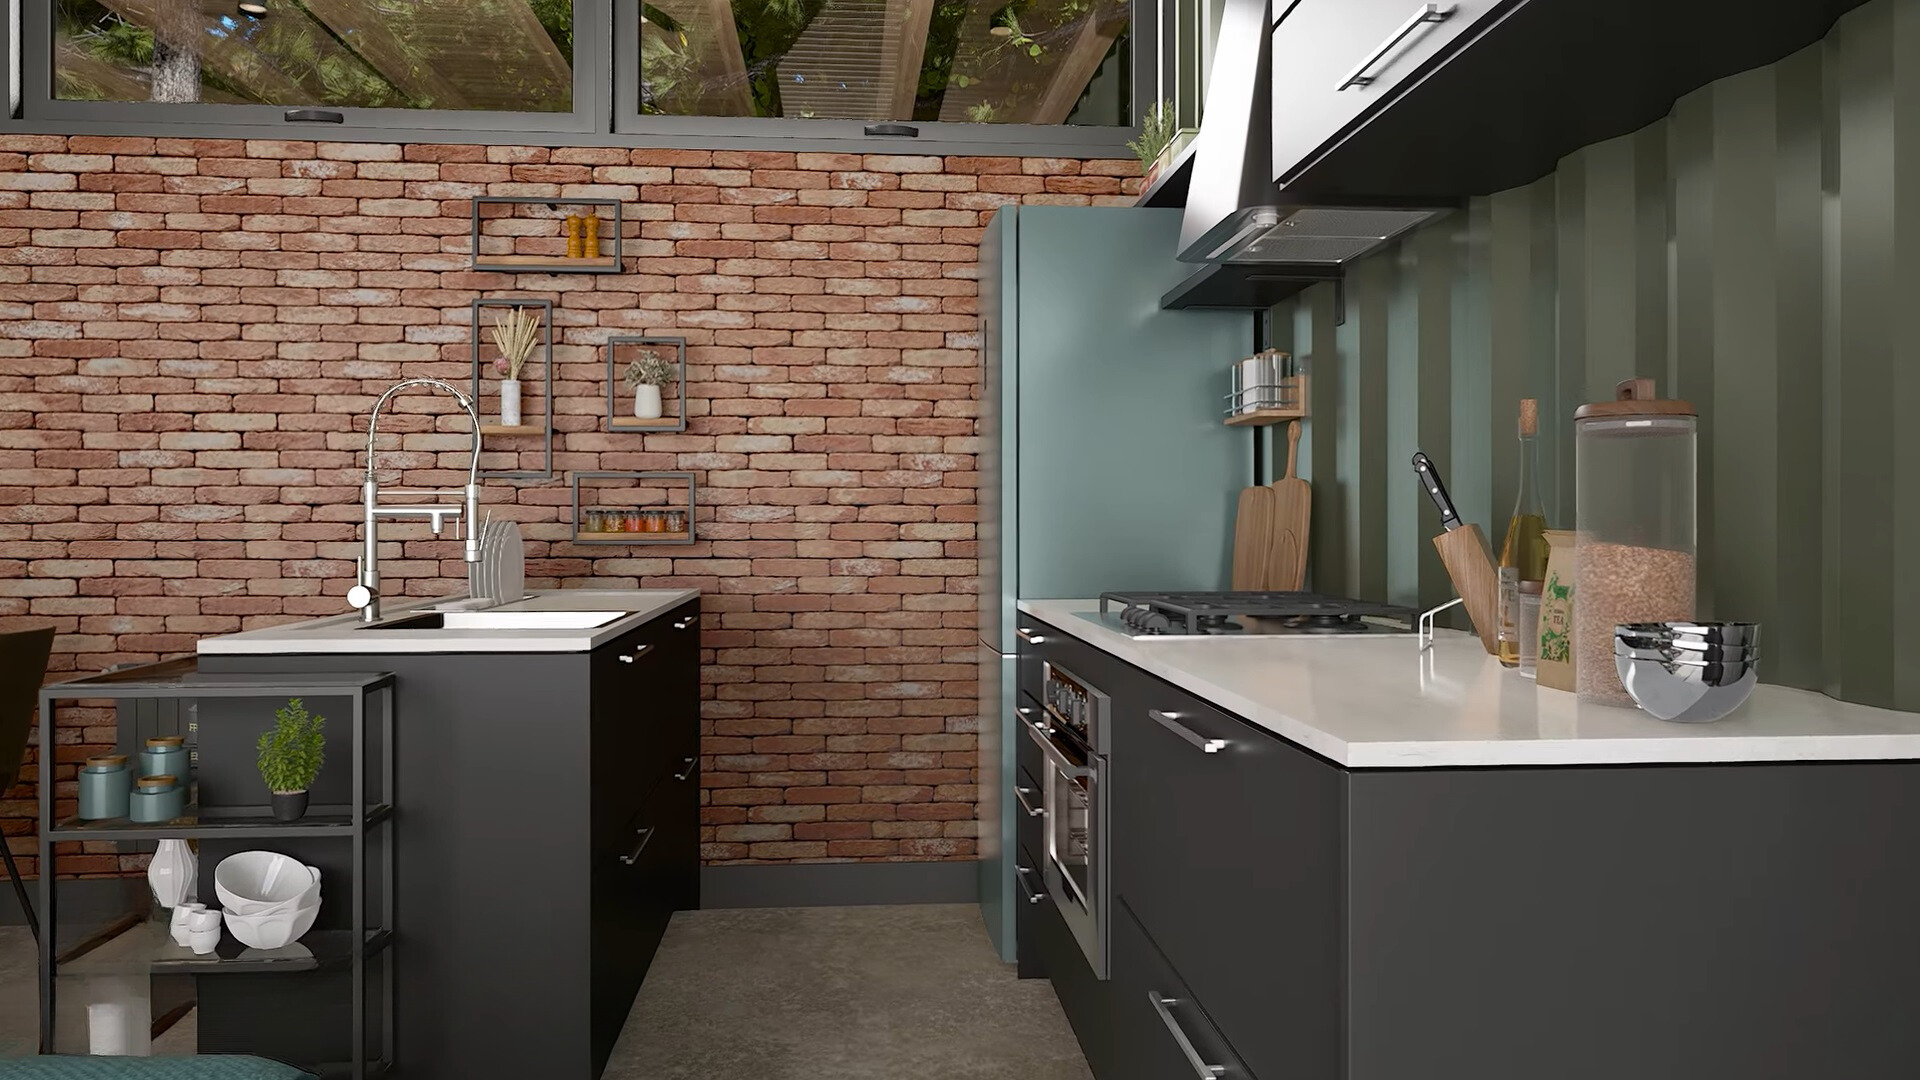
(510, 402)
(646, 402)
(173, 873)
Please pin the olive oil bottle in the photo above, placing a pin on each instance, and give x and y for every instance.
(1523, 557)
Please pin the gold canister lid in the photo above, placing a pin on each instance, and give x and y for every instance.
(1634, 398)
(107, 761)
(166, 742)
(156, 783)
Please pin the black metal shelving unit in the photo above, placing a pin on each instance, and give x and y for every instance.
(147, 700)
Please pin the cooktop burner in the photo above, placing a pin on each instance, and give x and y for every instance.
(1220, 614)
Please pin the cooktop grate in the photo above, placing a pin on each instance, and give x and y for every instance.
(1196, 613)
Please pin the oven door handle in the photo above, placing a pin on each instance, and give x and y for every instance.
(1057, 760)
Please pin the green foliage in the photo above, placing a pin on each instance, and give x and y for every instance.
(291, 754)
(651, 369)
(1156, 133)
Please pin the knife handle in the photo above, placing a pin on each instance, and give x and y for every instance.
(1436, 490)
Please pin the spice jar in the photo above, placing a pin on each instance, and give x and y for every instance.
(633, 521)
(653, 521)
(1635, 504)
(677, 521)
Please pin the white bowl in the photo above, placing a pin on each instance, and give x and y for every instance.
(259, 882)
(271, 931)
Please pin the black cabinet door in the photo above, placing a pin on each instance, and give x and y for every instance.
(1160, 1029)
(1230, 858)
(1082, 997)
(1335, 61)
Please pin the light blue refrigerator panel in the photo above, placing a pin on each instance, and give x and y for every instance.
(999, 434)
(1127, 478)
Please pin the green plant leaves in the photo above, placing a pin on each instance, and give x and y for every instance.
(293, 751)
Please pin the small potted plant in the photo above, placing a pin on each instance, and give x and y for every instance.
(290, 757)
(1156, 135)
(645, 376)
(514, 333)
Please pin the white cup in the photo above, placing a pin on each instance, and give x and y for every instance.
(177, 925)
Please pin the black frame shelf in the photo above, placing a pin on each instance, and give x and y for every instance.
(581, 536)
(142, 695)
(609, 261)
(544, 429)
(615, 422)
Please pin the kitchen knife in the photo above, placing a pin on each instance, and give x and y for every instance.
(1437, 491)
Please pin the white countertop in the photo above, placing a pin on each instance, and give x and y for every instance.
(345, 634)
(1373, 702)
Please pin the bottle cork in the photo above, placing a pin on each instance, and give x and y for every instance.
(1529, 416)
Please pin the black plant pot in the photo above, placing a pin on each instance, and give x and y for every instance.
(289, 806)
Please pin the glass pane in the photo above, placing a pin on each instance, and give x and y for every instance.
(979, 61)
(490, 55)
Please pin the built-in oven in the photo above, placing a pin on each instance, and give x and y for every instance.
(1071, 731)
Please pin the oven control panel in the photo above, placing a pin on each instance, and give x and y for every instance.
(1076, 705)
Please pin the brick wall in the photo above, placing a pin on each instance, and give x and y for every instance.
(193, 331)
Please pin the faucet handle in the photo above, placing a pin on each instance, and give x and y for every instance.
(361, 594)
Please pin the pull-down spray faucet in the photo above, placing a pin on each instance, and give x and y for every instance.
(365, 593)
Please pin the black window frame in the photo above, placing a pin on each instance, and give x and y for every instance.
(606, 107)
(38, 103)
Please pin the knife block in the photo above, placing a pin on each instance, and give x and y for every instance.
(1469, 563)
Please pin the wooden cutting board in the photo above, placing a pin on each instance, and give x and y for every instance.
(1252, 537)
(1292, 513)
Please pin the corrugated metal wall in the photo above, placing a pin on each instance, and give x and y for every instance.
(1758, 252)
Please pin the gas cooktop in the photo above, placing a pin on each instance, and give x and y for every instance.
(1243, 614)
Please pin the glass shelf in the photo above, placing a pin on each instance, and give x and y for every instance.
(191, 825)
(147, 947)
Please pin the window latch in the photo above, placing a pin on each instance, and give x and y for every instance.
(903, 130)
(314, 116)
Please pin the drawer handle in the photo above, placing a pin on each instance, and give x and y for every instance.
(1020, 795)
(637, 654)
(1034, 895)
(1428, 13)
(646, 837)
(691, 763)
(1167, 720)
(1028, 635)
(1201, 1069)
(691, 620)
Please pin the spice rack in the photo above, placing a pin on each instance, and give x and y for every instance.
(1289, 402)
(624, 348)
(544, 429)
(664, 516)
(539, 243)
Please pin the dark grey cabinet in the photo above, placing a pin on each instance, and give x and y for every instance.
(551, 823)
(1296, 920)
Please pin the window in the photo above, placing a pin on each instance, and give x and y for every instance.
(426, 63)
(1015, 76)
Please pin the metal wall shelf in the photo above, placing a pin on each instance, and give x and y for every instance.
(615, 400)
(608, 262)
(543, 429)
(582, 536)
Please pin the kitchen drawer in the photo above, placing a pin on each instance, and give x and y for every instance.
(1026, 752)
(1334, 61)
(1083, 997)
(1032, 640)
(1230, 858)
(1028, 796)
(1161, 1030)
(1029, 894)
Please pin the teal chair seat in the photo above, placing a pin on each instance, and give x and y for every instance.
(204, 1067)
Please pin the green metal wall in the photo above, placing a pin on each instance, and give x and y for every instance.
(1758, 253)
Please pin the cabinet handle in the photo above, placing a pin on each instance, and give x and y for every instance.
(691, 763)
(1428, 13)
(1201, 1069)
(1167, 720)
(637, 654)
(691, 620)
(646, 837)
(1034, 895)
(1028, 635)
(1020, 796)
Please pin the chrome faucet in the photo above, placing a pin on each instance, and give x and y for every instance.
(365, 593)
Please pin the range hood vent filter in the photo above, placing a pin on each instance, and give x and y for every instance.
(1316, 235)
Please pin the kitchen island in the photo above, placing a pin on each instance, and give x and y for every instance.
(546, 818)
(1354, 858)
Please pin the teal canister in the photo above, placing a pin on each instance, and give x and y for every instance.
(156, 799)
(105, 783)
(165, 755)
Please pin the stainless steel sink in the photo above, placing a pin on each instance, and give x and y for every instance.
(501, 620)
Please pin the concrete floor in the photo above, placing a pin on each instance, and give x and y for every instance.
(783, 994)
(841, 994)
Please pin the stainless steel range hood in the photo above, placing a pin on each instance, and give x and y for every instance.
(1260, 247)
